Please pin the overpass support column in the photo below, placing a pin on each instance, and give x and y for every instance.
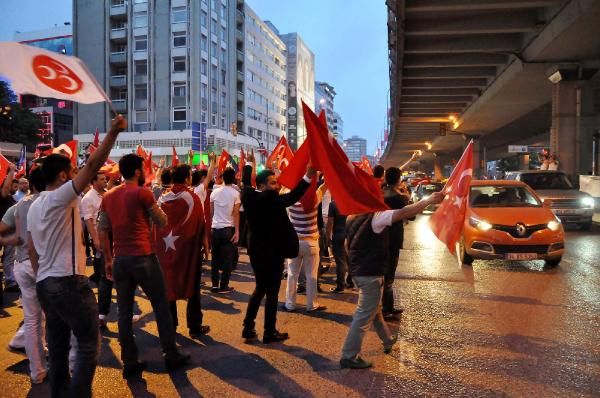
(572, 126)
(478, 158)
(439, 164)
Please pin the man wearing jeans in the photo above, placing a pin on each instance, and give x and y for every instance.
(33, 318)
(58, 257)
(367, 243)
(126, 211)
(225, 210)
(336, 231)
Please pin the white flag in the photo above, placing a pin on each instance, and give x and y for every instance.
(33, 70)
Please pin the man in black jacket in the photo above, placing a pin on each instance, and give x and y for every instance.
(272, 240)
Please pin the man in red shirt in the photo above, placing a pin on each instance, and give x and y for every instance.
(126, 211)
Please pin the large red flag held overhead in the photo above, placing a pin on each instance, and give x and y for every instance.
(4, 163)
(69, 149)
(354, 191)
(447, 221)
(281, 155)
(178, 245)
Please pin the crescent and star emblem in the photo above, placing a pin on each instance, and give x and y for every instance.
(56, 75)
(189, 200)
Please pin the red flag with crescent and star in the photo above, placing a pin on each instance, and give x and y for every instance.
(4, 163)
(282, 155)
(447, 221)
(178, 245)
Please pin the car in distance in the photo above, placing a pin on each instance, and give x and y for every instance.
(507, 220)
(568, 203)
(423, 190)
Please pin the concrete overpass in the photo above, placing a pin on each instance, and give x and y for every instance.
(480, 68)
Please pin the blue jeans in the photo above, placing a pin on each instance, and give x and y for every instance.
(70, 306)
(145, 271)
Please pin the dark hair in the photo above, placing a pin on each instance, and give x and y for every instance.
(247, 175)
(378, 171)
(37, 180)
(263, 177)
(196, 177)
(53, 165)
(203, 173)
(392, 176)
(129, 163)
(98, 174)
(228, 176)
(180, 173)
(165, 177)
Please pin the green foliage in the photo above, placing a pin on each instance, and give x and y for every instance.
(16, 123)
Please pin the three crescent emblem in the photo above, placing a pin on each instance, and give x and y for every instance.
(56, 75)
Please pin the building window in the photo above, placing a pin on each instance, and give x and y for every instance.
(203, 90)
(223, 99)
(203, 18)
(213, 119)
(140, 19)
(179, 15)
(223, 11)
(213, 49)
(224, 34)
(141, 67)
(223, 58)
(223, 77)
(213, 28)
(141, 92)
(179, 64)
(179, 39)
(141, 43)
(204, 43)
(179, 114)
(222, 121)
(141, 116)
(204, 67)
(179, 90)
(203, 116)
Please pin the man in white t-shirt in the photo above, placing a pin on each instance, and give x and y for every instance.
(225, 210)
(58, 257)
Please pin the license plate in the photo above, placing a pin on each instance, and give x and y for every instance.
(566, 212)
(521, 256)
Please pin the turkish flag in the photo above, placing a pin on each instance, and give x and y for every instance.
(241, 164)
(225, 160)
(178, 245)
(354, 191)
(365, 165)
(69, 149)
(4, 163)
(281, 155)
(96, 138)
(175, 160)
(111, 170)
(33, 70)
(447, 221)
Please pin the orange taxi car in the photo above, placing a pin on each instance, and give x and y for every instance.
(507, 220)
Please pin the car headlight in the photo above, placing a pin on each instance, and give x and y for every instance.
(587, 202)
(554, 225)
(480, 224)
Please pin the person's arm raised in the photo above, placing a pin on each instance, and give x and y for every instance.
(296, 194)
(412, 210)
(97, 159)
(8, 181)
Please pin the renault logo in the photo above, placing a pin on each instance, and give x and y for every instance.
(521, 229)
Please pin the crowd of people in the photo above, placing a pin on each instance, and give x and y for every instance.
(134, 229)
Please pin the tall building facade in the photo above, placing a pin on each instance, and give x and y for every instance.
(324, 97)
(265, 74)
(338, 127)
(300, 85)
(164, 64)
(57, 115)
(355, 147)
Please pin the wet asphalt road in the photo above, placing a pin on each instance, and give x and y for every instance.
(494, 329)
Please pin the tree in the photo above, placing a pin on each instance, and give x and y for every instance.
(17, 124)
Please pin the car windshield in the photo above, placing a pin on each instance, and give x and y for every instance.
(431, 188)
(503, 196)
(546, 181)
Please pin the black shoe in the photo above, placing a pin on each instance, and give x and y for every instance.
(214, 289)
(301, 290)
(395, 314)
(337, 289)
(196, 334)
(317, 308)
(357, 363)
(249, 334)
(178, 361)
(286, 309)
(225, 290)
(134, 370)
(275, 337)
(350, 285)
(12, 289)
(95, 278)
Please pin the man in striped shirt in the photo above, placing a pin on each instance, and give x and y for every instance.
(305, 223)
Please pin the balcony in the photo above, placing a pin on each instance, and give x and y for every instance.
(240, 56)
(179, 101)
(240, 76)
(240, 116)
(118, 81)
(240, 96)
(118, 58)
(118, 9)
(120, 105)
(239, 17)
(204, 103)
(118, 34)
(239, 35)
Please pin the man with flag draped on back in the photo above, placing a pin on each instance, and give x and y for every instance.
(179, 246)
